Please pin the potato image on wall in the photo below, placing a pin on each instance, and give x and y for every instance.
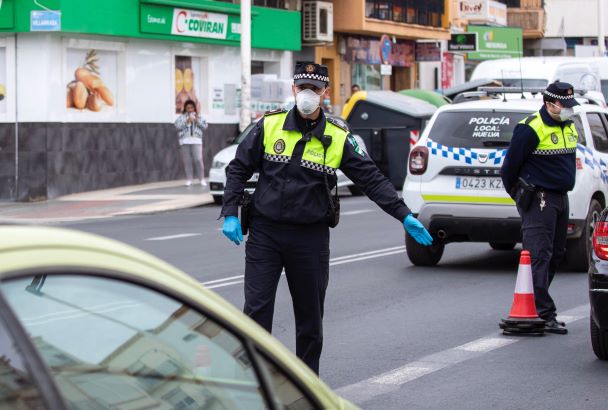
(79, 95)
(88, 90)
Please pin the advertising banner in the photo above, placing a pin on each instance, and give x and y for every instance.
(187, 80)
(367, 50)
(189, 23)
(93, 80)
(496, 42)
(489, 11)
(428, 51)
(463, 42)
(447, 70)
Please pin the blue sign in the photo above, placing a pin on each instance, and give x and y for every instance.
(385, 49)
(45, 20)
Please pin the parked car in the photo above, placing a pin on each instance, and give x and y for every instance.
(598, 288)
(217, 173)
(454, 185)
(91, 323)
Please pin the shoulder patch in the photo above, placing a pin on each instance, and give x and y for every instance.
(338, 124)
(355, 145)
(530, 119)
(272, 112)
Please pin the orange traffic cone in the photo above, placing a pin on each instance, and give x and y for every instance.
(523, 318)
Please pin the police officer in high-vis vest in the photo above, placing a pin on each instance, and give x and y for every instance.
(295, 153)
(538, 171)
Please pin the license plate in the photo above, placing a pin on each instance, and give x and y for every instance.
(254, 177)
(479, 183)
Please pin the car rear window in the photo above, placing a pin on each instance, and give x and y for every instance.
(475, 129)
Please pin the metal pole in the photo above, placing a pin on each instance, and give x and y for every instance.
(15, 91)
(245, 64)
(600, 25)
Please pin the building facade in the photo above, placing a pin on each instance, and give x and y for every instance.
(567, 35)
(91, 89)
(370, 33)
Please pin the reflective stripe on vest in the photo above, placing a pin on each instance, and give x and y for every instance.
(552, 140)
(279, 145)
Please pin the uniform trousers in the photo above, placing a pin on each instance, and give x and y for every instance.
(303, 250)
(544, 235)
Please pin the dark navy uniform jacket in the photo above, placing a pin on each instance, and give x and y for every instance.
(552, 172)
(290, 193)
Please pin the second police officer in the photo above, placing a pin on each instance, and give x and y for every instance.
(538, 171)
(296, 153)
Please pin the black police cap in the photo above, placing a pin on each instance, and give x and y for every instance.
(311, 73)
(562, 92)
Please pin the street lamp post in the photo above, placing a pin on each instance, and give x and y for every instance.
(245, 64)
(600, 25)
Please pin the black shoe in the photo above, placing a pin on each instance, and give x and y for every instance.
(553, 326)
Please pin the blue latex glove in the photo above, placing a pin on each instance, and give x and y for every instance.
(232, 229)
(417, 230)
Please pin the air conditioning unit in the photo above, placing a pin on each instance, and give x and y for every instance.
(318, 21)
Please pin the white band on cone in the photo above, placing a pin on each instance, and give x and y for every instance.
(524, 280)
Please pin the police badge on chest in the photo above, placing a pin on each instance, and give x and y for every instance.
(554, 138)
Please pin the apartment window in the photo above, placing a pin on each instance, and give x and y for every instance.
(428, 13)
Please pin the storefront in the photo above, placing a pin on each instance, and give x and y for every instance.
(92, 88)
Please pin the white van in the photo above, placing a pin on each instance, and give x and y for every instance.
(582, 73)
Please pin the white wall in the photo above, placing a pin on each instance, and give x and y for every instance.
(580, 18)
(144, 82)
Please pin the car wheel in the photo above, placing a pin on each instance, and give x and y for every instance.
(578, 251)
(218, 199)
(421, 255)
(599, 341)
(355, 190)
(500, 246)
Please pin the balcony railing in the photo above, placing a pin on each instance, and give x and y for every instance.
(426, 13)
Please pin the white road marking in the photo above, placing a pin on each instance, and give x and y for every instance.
(392, 380)
(356, 255)
(178, 236)
(235, 280)
(356, 212)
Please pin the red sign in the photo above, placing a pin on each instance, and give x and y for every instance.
(447, 70)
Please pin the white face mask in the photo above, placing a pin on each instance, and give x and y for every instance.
(307, 101)
(565, 114)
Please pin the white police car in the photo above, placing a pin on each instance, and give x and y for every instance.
(217, 173)
(454, 187)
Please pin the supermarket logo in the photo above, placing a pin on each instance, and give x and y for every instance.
(199, 24)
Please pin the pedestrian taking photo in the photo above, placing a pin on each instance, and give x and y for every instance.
(190, 126)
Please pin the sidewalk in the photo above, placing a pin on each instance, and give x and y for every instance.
(130, 200)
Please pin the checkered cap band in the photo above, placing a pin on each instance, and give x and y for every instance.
(277, 158)
(559, 151)
(318, 167)
(559, 97)
(311, 76)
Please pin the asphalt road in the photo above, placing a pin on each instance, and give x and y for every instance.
(399, 336)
